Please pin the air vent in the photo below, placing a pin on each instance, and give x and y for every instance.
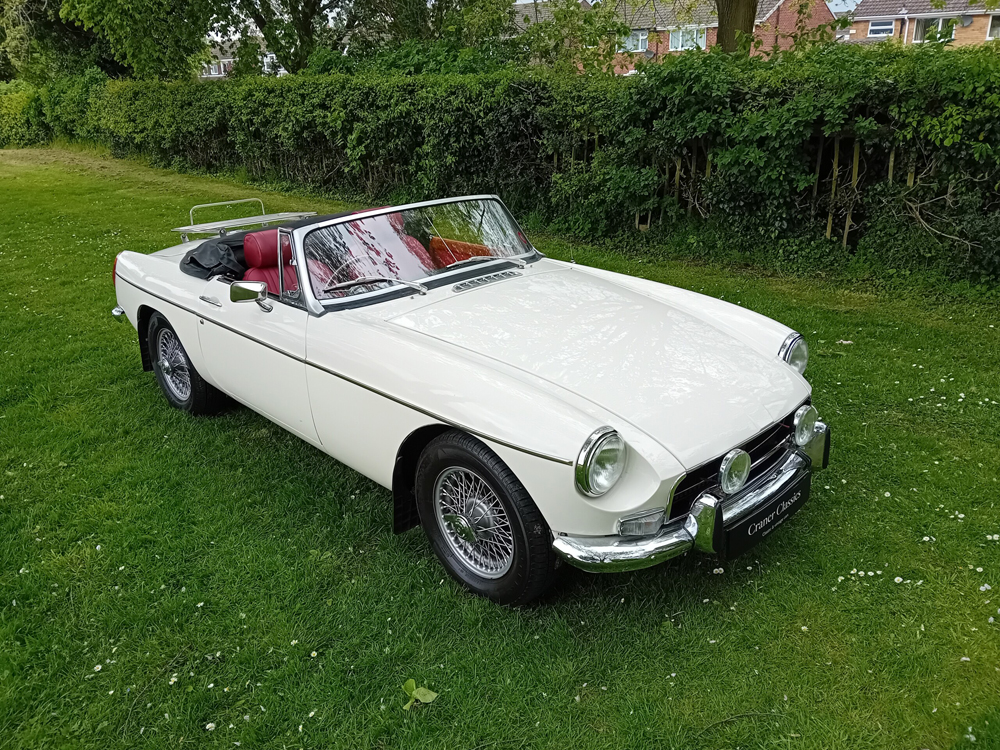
(473, 283)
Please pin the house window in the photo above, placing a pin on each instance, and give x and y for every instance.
(994, 31)
(637, 41)
(881, 28)
(687, 38)
(214, 69)
(928, 29)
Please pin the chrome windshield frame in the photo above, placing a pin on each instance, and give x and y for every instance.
(317, 307)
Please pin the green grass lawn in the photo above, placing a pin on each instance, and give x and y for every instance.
(162, 574)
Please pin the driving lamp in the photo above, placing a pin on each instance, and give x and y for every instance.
(805, 424)
(601, 462)
(795, 352)
(735, 470)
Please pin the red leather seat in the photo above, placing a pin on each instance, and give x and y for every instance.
(445, 253)
(261, 252)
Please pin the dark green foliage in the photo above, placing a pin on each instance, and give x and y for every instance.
(587, 154)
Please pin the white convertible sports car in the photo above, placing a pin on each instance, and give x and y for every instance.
(523, 410)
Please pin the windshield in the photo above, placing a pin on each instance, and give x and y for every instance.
(408, 245)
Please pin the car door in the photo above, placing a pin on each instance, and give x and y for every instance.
(258, 356)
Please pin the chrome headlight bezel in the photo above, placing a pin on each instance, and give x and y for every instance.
(804, 423)
(592, 447)
(795, 352)
(734, 471)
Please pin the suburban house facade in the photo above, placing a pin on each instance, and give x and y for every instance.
(663, 28)
(223, 57)
(916, 21)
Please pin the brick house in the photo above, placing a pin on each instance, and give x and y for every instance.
(914, 21)
(662, 28)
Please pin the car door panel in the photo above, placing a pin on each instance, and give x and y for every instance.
(258, 357)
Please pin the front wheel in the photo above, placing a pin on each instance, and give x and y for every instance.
(481, 521)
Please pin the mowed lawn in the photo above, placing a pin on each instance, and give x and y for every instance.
(161, 575)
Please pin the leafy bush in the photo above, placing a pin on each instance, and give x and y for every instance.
(597, 156)
(20, 115)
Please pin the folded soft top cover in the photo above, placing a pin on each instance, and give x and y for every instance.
(223, 256)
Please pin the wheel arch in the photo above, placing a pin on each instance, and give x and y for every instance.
(404, 472)
(143, 314)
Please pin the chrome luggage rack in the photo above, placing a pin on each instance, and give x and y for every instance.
(220, 228)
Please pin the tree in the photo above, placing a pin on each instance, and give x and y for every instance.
(292, 28)
(156, 40)
(735, 17)
(576, 39)
(36, 44)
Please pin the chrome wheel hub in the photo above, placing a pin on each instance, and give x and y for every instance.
(173, 363)
(474, 522)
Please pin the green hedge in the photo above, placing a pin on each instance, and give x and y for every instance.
(596, 157)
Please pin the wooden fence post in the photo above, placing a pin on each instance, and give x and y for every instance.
(833, 186)
(819, 163)
(892, 162)
(854, 185)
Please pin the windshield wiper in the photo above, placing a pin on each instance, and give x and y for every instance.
(364, 280)
(480, 258)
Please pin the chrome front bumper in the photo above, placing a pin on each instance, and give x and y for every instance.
(704, 528)
(118, 313)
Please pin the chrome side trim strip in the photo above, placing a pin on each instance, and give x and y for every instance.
(443, 420)
(438, 417)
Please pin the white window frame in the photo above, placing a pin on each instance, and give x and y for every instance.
(940, 21)
(677, 38)
(891, 28)
(989, 28)
(213, 69)
(637, 41)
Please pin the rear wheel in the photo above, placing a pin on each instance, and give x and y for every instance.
(482, 522)
(183, 387)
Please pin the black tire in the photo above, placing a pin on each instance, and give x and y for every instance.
(199, 397)
(530, 567)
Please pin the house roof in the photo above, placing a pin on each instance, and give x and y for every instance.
(895, 8)
(650, 14)
(665, 14)
(525, 14)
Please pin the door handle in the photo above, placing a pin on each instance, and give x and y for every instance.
(210, 300)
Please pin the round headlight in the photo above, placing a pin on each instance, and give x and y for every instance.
(601, 462)
(795, 352)
(735, 470)
(805, 424)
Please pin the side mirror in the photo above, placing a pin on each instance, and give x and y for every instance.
(250, 291)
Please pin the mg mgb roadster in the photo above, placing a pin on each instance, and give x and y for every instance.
(524, 411)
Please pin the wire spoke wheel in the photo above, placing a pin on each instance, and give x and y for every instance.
(173, 363)
(474, 522)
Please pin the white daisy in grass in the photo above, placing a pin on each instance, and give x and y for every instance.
(97, 667)
(210, 726)
(897, 579)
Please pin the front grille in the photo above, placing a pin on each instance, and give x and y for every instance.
(764, 453)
